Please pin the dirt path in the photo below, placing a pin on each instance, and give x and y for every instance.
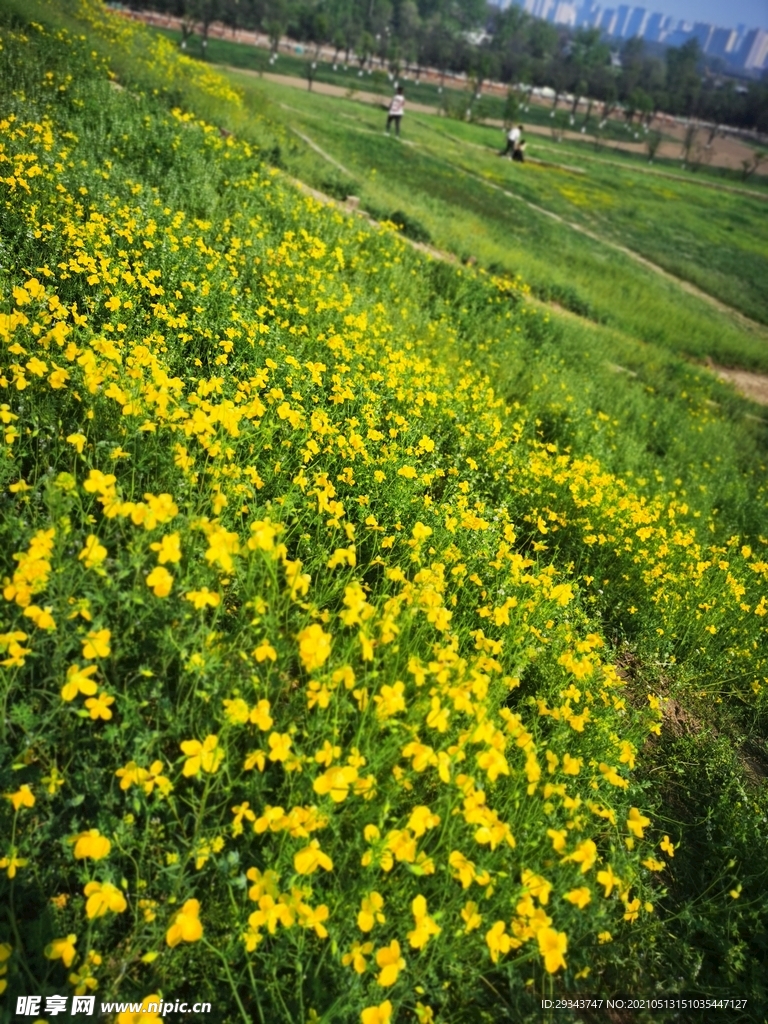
(752, 385)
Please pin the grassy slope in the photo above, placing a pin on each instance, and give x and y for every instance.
(559, 372)
(436, 182)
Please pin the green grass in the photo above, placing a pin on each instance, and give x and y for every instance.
(435, 176)
(428, 348)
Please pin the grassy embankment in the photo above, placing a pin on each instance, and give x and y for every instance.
(325, 553)
(448, 180)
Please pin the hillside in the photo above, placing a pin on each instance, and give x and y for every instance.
(342, 681)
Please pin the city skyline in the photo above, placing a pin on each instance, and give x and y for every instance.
(750, 13)
(740, 46)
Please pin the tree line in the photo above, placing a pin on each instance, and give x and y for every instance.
(508, 46)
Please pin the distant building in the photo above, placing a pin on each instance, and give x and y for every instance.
(608, 20)
(722, 43)
(680, 35)
(653, 27)
(744, 49)
(588, 14)
(702, 31)
(565, 14)
(753, 52)
(547, 9)
(636, 22)
(622, 16)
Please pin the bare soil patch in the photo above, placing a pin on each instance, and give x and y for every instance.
(751, 385)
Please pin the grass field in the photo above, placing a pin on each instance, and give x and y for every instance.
(443, 177)
(380, 643)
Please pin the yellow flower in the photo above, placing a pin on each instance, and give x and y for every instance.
(654, 865)
(78, 440)
(584, 854)
(53, 780)
(103, 897)
(636, 822)
(608, 879)
(142, 1016)
(93, 552)
(23, 797)
(356, 956)
(96, 645)
(632, 910)
(537, 886)
(265, 651)
(91, 844)
(579, 897)
(464, 868)
(260, 716)
(99, 707)
(280, 746)
(391, 963)
(381, 1014)
(390, 701)
(497, 940)
(425, 926)
(79, 681)
(12, 862)
(222, 545)
(370, 912)
(41, 617)
(263, 536)
(667, 846)
(203, 597)
(314, 647)
(571, 765)
(62, 949)
(552, 946)
(470, 917)
(335, 782)
(168, 549)
(185, 925)
(206, 756)
(308, 860)
(161, 581)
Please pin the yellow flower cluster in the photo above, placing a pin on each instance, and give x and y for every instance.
(314, 558)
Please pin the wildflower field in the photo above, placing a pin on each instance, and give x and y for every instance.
(328, 679)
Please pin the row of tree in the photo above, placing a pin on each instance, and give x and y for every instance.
(486, 43)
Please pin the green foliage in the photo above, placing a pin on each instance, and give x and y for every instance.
(309, 538)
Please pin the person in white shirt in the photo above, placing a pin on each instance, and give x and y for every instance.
(513, 140)
(396, 108)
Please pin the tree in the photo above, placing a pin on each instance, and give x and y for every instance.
(365, 49)
(632, 54)
(338, 45)
(511, 107)
(748, 167)
(684, 77)
(275, 23)
(652, 143)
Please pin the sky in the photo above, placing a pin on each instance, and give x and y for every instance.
(752, 13)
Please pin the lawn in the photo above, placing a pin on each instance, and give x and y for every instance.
(446, 177)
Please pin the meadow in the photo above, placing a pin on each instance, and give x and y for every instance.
(448, 179)
(379, 642)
